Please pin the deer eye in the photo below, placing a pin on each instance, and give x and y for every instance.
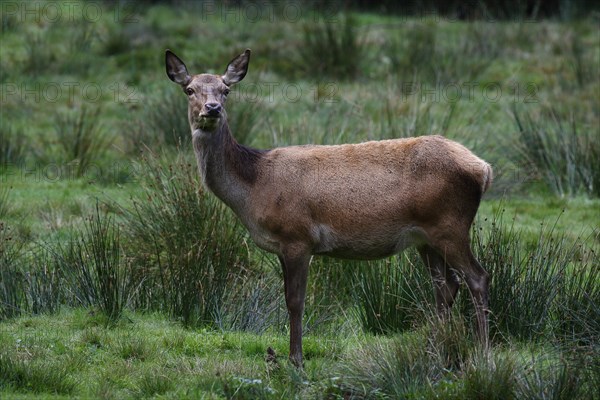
(189, 91)
(226, 92)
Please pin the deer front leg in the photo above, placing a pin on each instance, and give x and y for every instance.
(295, 264)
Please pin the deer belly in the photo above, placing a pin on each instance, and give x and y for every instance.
(365, 244)
(265, 240)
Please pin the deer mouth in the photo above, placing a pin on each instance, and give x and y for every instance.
(209, 115)
(207, 121)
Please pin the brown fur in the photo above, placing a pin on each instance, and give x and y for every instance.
(359, 201)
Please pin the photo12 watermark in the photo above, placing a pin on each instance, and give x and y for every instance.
(69, 91)
(269, 11)
(289, 92)
(54, 12)
(491, 92)
(54, 172)
(121, 92)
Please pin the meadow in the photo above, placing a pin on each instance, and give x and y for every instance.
(120, 277)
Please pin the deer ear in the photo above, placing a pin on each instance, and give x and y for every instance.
(176, 69)
(237, 68)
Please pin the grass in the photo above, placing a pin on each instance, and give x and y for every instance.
(80, 138)
(161, 123)
(564, 154)
(186, 249)
(198, 305)
(129, 353)
(11, 287)
(39, 377)
(422, 53)
(392, 295)
(333, 48)
(145, 355)
(541, 269)
(12, 145)
(93, 269)
(4, 202)
(43, 284)
(39, 56)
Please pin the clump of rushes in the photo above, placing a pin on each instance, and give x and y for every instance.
(332, 47)
(43, 284)
(161, 121)
(561, 151)
(81, 138)
(93, 268)
(187, 247)
(12, 145)
(12, 291)
(525, 282)
(392, 295)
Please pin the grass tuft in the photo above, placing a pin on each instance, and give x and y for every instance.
(187, 248)
(562, 151)
(525, 281)
(12, 145)
(134, 348)
(39, 55)
(560, 376)
(257, 305)
(5, 204)
(155, 382)
(81, 138)
(34, 376)
(42, 283)
(93, 267)
(247, 389)
(162, 121)
(399, 369)
(12, 291)
(490, 377)
(577, 309)
(333, 48)
(421, 53)
(392, 295)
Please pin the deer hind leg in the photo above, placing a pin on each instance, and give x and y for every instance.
(461, 259)
(477, 280)
(295, 265)
(445, 281)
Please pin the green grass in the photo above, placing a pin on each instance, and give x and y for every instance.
(74, 354)
(561, 152)
(184, 249)
(183, 362)
(380, 76)
(91, 266)
(577, 217)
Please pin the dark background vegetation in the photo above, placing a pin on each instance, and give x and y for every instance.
(461, 10)
(482, 9)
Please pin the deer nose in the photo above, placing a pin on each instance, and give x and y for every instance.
(213, 109)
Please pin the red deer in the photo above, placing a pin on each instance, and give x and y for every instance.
(355, 201)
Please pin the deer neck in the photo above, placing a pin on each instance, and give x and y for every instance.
(227, 168)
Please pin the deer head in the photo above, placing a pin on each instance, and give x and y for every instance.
(206, 93)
